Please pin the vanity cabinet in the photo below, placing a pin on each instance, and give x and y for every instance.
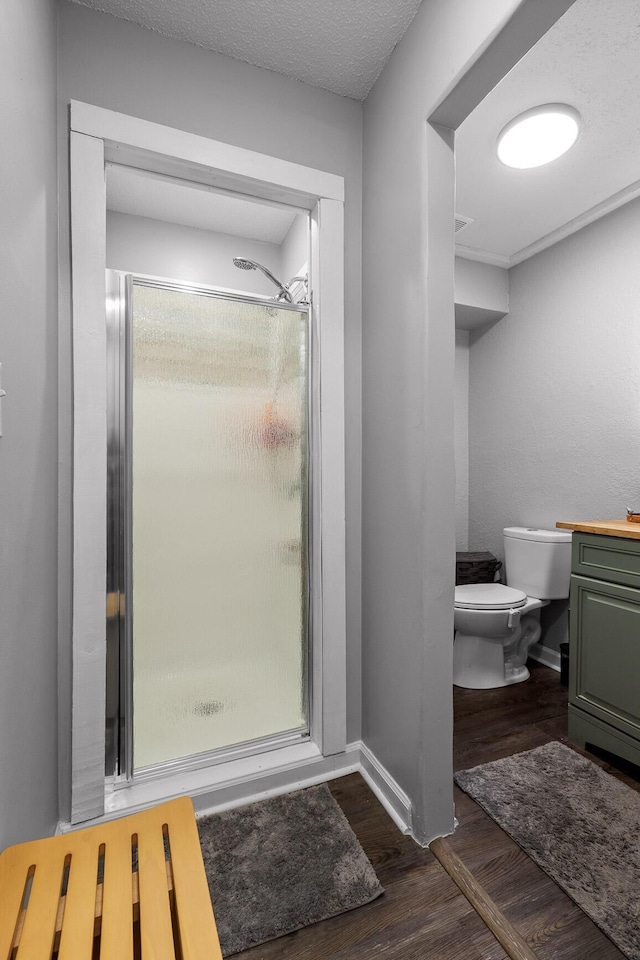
(604, 666)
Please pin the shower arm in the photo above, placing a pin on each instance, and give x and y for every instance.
(293, 280)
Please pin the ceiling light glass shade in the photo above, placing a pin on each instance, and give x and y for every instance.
(538, 136)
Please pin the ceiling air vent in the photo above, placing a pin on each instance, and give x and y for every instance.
(461, 222)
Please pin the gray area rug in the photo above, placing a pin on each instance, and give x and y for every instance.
(578, 823)
(282, 864)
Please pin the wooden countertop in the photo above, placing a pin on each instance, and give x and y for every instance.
(608, 528)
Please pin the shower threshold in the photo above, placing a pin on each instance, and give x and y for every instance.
(235, 783)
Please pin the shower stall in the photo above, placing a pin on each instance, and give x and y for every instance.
(209, 528)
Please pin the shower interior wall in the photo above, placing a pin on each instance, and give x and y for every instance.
(176, 252)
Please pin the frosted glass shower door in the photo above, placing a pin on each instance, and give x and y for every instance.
(218, 522)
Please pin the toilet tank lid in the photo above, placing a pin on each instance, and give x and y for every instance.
(533, 533)
(488, 596)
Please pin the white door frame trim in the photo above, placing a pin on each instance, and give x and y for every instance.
(98, 135)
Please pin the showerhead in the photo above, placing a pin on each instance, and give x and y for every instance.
(242, 263)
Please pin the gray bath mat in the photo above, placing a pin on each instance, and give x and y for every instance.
(578, 823)
(282, 864)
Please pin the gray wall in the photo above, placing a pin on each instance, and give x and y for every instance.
(554, 396)
(481, 285)
(461, 437)
(481, 296)
(118, 65)
(28, 449)
(295, 249)
(171, 250)
(481, 293)
(408, 376)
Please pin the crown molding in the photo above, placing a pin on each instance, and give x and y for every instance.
(482, 256)
(612, 203)
(616, 200)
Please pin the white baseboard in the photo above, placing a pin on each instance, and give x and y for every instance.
(389, 793)
(550, 658)
(302, 769)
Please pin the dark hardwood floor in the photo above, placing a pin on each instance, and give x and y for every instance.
(422, 914)
(496, 723)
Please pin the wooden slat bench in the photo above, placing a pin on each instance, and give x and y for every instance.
(130, 889)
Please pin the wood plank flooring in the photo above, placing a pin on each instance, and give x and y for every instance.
(422, 913)
(490, 724)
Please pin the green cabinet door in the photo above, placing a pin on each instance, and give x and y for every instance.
(604, 679)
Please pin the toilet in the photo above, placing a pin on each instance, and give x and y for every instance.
(496, 624)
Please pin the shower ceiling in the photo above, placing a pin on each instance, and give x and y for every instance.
(142, 194)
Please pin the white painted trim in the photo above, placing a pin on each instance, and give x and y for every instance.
(316, 624)
(328, 302)
(482, 256)
(550, 658)
(88, 244)
(200, 160)
(221, 160)
(387, 790)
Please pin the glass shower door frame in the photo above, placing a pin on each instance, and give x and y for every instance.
(120, 694)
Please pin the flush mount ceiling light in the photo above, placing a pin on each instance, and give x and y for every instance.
(538, 136)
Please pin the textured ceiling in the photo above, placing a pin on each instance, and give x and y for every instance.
(339, 45)
(142, 194)
(591, 60)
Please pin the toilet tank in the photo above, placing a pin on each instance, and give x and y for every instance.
(538, 562)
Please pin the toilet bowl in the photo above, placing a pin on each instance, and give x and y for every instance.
(494, 632)
(497, 624)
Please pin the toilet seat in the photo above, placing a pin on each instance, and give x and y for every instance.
(488, 596)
